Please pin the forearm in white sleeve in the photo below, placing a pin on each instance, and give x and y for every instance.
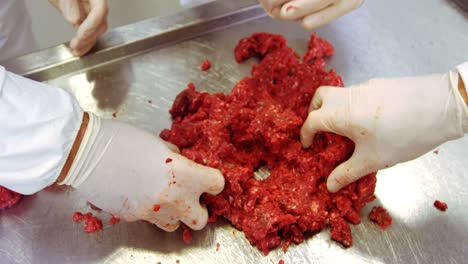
(463, 71)
(39, 124)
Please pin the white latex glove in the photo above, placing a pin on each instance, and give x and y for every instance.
(126, 171)
(89, 17)
(389, 120)
(313, 13)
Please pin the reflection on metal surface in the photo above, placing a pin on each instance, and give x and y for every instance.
(369, 43)
(81, 88)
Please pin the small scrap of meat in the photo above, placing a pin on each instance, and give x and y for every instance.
(168, 160)
(156, 207)
(114, 220)
(436, 152)
(440, 205)
(8, 198)
(77, 217)
(91, 223)
(186, 235)
(191, 86)
(114, 115)
(281, 261)
(92, 206)
(217, 246)
(206, 65)
(381, 217)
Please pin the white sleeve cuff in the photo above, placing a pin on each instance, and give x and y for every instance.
(463, 71)
(81, 169)
(39, 124)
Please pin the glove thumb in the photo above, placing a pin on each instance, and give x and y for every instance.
(360, 164)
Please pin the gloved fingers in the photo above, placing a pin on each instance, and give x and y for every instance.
(189, 211)
(275, 12)
(82, 46)
(54, 3)
(122, 212)
(316, 121)
(204, 178)
(196, 216)
(71, 10)
(360, 164)
(211, 180)
(270, 5)
(92, 27)
(95, 22)
(168, 226)
(166, 218)
(320, 96)
(330, 13)
(127, 217)
(298, 9)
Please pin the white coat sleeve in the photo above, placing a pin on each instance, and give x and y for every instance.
(39, 124)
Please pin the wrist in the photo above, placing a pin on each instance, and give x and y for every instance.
(463, 81)
(461, 102)
(81, 163)
(462, 90)
(74, 150)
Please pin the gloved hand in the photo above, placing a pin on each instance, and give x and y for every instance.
(313, 13)
(135, 175)
(389, 120)
(89, 17)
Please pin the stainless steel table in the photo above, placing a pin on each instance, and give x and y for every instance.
(156, 58)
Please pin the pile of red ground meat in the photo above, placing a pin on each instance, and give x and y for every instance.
(258, 124)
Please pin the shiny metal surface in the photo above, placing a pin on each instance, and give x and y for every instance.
(383, 38)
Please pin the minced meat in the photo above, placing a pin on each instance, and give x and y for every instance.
(258, 124)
